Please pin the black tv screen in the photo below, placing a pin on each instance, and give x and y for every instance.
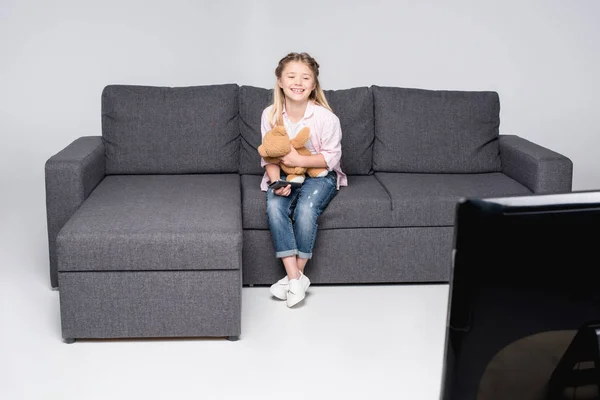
(522, 266)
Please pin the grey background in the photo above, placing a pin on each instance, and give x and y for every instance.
(542, 57)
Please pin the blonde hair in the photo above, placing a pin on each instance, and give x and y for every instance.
(317, 95)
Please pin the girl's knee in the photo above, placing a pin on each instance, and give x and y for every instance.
(276, 207)
(273, 208)
(305, 212)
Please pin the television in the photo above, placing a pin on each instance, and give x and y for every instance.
(524, 298)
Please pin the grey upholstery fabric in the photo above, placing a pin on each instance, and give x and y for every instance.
(156, 222)
(430, 199)
(433, 131)
(354, 108)
(163, 130)
(70, 176)
(364, 203)
(539, 168)
(253, 101)
(254, 203)
(390, 255)
(150, 304)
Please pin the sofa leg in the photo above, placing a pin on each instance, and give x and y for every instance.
(232, 338)
(69, 340)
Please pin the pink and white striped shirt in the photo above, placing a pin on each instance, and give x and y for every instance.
(325, 138)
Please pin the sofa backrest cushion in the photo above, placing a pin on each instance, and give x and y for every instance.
(253, 100)
(354, 108)
(164, 130)
(435, 131)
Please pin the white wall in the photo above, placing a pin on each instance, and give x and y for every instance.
(55, 57)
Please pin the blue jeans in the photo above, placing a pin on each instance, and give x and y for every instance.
(293, 219)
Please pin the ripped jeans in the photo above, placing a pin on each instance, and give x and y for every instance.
(293, 219)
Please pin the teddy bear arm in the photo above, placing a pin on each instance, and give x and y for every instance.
(315, 172)
(301, 138)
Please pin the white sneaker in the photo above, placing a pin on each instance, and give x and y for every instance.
(297, 290)
(280, 288)
(305, 281)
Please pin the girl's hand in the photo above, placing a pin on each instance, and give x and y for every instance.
(292, 159)
(283, 191)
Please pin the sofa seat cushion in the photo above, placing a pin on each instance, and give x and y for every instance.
(156, 222)
(364, 203)
(430, 199)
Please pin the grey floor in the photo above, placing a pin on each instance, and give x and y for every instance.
(344, 342)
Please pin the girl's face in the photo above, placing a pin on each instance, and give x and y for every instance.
(297, 81)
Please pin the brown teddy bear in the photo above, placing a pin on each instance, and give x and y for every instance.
(277, 143)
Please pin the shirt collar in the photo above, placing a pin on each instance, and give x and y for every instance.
(310, 109)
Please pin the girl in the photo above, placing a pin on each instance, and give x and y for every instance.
(299, 101)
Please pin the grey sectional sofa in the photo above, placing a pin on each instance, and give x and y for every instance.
(154, 226)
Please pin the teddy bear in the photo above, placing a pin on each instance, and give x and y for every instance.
(277, 143)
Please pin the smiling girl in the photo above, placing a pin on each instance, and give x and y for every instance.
(298, 102)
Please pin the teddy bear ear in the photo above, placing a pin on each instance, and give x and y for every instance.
(301, 138)
(262, 151)
(279, 130)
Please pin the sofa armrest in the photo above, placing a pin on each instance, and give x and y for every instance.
(70, 177)
(540, 169)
